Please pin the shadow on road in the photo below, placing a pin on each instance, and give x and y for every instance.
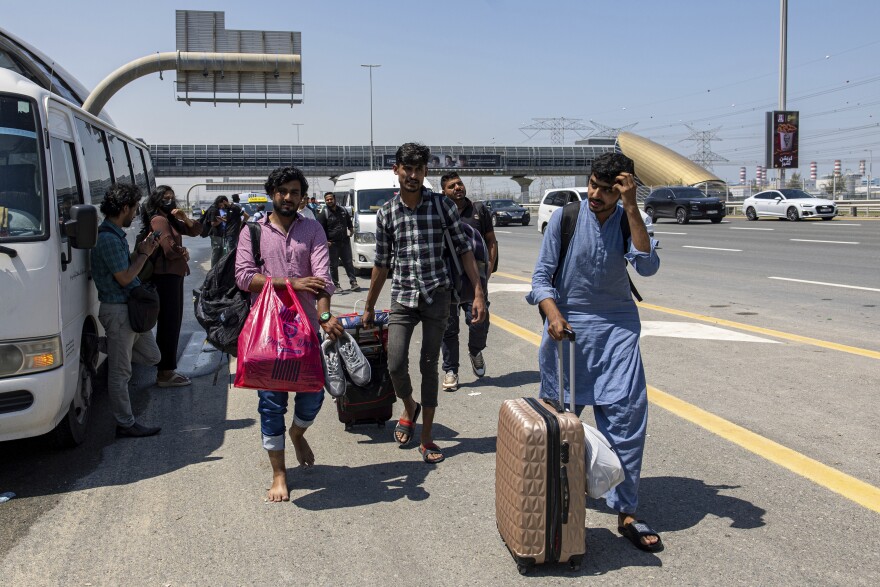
(508, 380)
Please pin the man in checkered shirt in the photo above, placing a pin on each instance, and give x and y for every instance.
(409, 230)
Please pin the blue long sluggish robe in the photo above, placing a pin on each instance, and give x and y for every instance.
(592, 292)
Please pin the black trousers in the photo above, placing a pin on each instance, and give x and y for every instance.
(341, 249)
(170, 289)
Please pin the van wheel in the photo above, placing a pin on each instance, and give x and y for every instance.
(71, 430)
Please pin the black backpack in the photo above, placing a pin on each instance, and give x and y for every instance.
(220, 306)
(569, 222)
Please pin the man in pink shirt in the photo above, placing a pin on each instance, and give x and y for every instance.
(294, 250)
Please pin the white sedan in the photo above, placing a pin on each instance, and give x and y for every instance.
(788, 203)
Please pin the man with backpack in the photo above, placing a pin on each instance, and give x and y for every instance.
(214, 226)
(299, 257)
(580, 284)
(478, 217)
(338, 227)
(419, 230)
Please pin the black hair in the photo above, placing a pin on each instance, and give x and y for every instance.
(282, 175)
(151, 207)
(235, 198)
(448, 177)
(261, 207)
(412, 154)
(219, 199)
(118, 196)
(329, 194)
(608, 166)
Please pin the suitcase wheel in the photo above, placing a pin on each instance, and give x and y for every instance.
(523, 568)
(574, 567)
(349, 425)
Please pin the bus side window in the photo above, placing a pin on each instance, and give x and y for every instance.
(97, 160)
(65, 175)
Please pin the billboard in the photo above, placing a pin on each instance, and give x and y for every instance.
(782, 139)
(444, 161)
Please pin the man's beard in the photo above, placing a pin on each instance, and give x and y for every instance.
(288, 212)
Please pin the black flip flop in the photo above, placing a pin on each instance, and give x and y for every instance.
(429, 450)
(635, 531)
(407, 427)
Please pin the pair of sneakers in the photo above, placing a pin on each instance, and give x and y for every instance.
(344, 356)
(478, 364)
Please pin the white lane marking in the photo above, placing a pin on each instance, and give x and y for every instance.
(839, 224)
(659, 232)
(711, 248)
(514, 287)
(806, 240)
(825, 283)
(503, 231)
(749, 228)
(697, 330)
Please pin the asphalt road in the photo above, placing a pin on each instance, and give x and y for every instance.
(791, 363)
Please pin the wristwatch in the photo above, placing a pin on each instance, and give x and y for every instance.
(324, 317)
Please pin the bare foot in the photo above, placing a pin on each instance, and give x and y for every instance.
(304, 453)
(278, 491)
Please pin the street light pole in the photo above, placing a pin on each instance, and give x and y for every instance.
(297, 125)
(870, 173)
(372, 154)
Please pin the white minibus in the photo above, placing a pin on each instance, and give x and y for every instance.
(56, 162)
(363, 193)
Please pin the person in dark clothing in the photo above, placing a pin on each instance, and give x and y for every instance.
(216, 218)
(338, 226)
(235, 219)
(161, 213)
(479, 218)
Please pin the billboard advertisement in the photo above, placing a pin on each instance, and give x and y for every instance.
(782, 139)
(444, 161)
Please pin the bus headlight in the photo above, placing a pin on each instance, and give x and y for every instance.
(364, 238)
(30, 356)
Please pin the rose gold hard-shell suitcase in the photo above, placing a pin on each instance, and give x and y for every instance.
(540, 499)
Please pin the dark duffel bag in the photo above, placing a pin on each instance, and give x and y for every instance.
(143, 307)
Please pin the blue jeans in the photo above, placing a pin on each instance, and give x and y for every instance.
(273, 406)
(477, 334)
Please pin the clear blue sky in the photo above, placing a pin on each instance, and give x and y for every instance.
(474, 72)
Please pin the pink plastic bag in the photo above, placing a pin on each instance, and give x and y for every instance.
(278, 350)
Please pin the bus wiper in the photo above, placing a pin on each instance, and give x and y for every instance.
(11, 252)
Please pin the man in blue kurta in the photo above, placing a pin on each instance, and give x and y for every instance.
(591, 296)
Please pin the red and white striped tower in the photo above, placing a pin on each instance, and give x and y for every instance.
(837, 167)
(759, 177)
(814, 171)
(742, 175)
(862, 167)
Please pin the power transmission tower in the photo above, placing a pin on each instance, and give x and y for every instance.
(704, 155)
(557, 128)
(603, 130)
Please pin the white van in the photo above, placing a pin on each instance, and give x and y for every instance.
(363, 193)
(56, 162)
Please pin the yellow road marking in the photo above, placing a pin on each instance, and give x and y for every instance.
(512, 276)
(849, 487)
(740, 326)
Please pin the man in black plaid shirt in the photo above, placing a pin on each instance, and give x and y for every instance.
(409, 230)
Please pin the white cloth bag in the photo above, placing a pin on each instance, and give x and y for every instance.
(604, 470)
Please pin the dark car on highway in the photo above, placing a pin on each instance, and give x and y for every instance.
(506, 211)
(684, 204)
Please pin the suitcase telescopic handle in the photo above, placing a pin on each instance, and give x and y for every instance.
(569, 334)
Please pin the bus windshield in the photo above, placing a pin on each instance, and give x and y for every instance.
(22, 208)
(369, 201)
